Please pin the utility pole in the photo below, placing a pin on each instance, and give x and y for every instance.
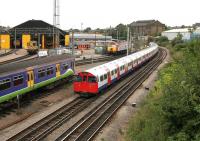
(127, 40)
(95, 39)
(15, 41)
(82, 27)
(72, 42)
(105, 39)
(117, 35)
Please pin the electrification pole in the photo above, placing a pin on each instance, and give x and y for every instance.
(127, 39)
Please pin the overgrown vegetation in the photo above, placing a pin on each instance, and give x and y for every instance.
(171, 112)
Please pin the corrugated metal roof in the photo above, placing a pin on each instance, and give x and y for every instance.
(36, 25)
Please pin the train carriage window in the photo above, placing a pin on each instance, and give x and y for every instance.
(112, 72)
(49, 70)
(41, 73)
(65, 66)
(18, 80)
(101, 78)
(92, 79)
(115, 71)
(105, 76)
(5, 84)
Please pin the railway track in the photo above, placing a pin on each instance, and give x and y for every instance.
(7, 53)
(45, 126)
(95, 60)
(88, 126)
(15, 59)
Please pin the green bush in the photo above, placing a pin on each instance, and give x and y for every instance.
(172, 111)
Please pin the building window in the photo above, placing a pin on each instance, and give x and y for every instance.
(18, 80)
(5, 84)
(41, 73)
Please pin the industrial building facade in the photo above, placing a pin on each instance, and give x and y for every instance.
(147, 28)
(33, 30)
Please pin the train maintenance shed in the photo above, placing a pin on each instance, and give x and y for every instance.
(35, 30)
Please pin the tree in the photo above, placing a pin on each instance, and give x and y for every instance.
(87, 30)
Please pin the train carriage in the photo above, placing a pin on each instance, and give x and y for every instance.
(94, 80)
(31, 75)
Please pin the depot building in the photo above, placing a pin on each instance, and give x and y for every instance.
(33, 30)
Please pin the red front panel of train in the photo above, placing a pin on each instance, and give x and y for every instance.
(86, 87)
(85, 83)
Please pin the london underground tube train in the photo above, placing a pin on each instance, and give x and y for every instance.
(96, 79)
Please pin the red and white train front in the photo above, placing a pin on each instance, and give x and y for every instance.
(96, 79)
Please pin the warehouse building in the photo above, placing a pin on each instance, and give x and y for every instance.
(147, 28)
(33, 31)
(171, 34)
(187, 33)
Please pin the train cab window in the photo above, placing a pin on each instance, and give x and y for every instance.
(65, 66)
(5, 84)
(101, 78)
(121, 68)
(50, 71)
(105, 76)
(18, 80)
(78, 78)
(41, 73)
(92, 79)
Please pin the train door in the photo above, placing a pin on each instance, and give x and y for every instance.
(30, 79)
(118, 73)
(57, 70)
(109, 78)
(126, 68)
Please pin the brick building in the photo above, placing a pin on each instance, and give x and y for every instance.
(147, 27)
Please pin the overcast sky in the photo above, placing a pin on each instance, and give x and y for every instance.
(100, 13)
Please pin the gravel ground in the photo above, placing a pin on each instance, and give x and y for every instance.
(19, 53)
(115, 129)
